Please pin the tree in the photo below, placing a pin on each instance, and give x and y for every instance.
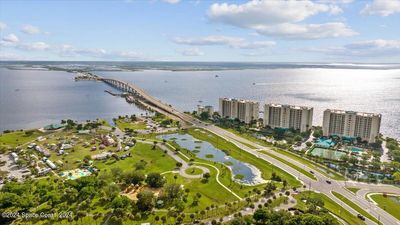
(260, 215)
(145, 201)
(396, 177)
(155, 180)
(134, 177)
(111, 191)
(171, 192)
(204, 116)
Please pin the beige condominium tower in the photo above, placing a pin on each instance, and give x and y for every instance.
(244, 110)
(351, 124)
(288, 116)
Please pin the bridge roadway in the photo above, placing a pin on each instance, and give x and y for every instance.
(319, 185)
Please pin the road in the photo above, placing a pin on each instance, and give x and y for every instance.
(319, 185)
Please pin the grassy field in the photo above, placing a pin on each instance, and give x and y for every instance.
(139, 125)
(334, 175)
(194, 171)
(156, 160)
(19, 137)
(330, 205)
(353, 189)
(266, 168)
(301, 170)
(354, 206)
(388, 203)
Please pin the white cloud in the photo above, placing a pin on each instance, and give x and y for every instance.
(171, 1)
(12, 38)
(280, 18)
(34, 46)
(307, 31)
(30, 29)
(192, 52)
(381, 7)
(2, 26)
(209, 40)
(233, 42)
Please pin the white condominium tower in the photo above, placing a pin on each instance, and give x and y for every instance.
(288, 116)
(351, 124)
(244, 110)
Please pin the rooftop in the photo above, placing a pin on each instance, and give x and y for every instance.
(364, 114)
(288, 106)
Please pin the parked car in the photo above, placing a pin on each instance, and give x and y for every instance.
(361, 217)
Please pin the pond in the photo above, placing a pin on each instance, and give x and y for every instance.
(242, 172)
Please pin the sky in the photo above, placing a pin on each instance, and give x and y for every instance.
(364, 31)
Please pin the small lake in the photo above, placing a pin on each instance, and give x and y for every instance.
(249, 174)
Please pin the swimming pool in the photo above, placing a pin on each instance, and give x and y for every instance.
(75, 174)
(354, 149)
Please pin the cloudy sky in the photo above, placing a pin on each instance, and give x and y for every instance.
(172, 30)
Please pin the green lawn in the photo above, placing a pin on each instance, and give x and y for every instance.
(390, 204)
(156, 160)
(334, 175)
(266, 168)
(193, 171)
(139, 125)
(354, 206)
(301, 170)
(353, 189)
(19, 137)
(330, 205)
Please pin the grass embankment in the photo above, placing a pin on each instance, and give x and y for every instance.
(390, 204)
(266, 168)
(329, 205)
(325, 171)
(301, 170)
(354, 206)
(248, 137)
(353, 189)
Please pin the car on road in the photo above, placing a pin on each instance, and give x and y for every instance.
(361, 217)
(328, 181)
(312, 172)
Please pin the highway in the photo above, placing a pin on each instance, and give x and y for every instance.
(319, 185)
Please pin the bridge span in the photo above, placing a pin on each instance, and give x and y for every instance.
(140, 93)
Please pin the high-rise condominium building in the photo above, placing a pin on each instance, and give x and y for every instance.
(244, 110)
(351, 124)
(288, 116)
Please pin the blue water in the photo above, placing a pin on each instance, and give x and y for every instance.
(204, 148)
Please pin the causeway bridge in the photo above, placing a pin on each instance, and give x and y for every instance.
(155, 103)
